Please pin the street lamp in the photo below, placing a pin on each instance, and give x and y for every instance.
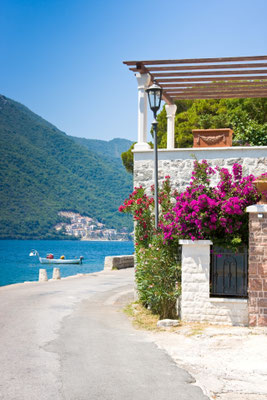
(154, 93)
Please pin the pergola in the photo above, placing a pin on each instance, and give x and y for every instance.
(203, 78)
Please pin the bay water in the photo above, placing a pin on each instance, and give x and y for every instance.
(17, 266)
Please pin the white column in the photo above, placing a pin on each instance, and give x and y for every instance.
(143, 82)
(171, 110)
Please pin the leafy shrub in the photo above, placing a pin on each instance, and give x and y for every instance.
(127, 159)
(158, 271)
(251, 133)
(158, 277)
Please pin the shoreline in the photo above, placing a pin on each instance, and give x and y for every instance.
(79, 275)
(68, 240)
(103, 240)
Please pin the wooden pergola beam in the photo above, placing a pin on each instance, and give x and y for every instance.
(216, 96)
(212, 79)
(203, 91)
(166, 97)
(197, 60)
(201, 67)
(212, 73)
(214, 85)
(218, 90)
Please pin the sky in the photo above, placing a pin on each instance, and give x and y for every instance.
(63, 58)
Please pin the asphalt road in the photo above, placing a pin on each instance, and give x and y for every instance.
(69, 340)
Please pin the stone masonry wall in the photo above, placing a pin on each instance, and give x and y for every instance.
(178, 164)
(257, 282)
(196, 303)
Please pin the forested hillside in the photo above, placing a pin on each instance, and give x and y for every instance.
(111, 148)
(43, 171)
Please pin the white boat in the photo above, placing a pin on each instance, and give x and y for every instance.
(51, 260)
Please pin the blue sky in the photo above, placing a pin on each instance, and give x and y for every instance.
(63, 58)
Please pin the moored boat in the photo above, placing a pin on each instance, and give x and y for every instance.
(49, 259)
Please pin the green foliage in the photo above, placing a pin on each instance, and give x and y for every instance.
(162, 129)
(158, 270)
(158, 277)
(250, 132)
(42, 171)
(127, 159)
(183, 128)
(112, 148)
(247, 118)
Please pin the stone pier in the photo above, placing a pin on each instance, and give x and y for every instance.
(257, 272)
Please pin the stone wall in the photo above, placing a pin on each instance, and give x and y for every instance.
(119, 262)
(257, 282)
(196, 303)
(178, 163)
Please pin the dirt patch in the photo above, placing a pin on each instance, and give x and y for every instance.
(228, 363)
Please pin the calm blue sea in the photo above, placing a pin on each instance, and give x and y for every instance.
(16, 266)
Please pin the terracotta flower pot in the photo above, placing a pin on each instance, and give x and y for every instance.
(261, 186)
(212, 137)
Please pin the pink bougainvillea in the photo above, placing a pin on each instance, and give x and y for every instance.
(201, 211)
(217, 213)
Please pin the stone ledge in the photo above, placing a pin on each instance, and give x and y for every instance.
(119, 262)
(195, 242)
(202, 153)
(257, 208)
(190, 149)
(227, 300)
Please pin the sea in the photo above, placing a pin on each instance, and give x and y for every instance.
(17, 266)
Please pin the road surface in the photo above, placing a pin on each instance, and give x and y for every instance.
(69, 340)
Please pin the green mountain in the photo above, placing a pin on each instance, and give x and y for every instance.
(112, 148)
(43, 171)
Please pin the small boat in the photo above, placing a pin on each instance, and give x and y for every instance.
(49, 259)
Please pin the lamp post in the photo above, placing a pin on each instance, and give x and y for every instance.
(154, 93)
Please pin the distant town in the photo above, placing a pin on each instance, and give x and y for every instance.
(86, 228)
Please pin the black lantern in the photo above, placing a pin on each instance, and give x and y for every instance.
(154, 93)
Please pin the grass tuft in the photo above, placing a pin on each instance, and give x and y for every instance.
(141, 317)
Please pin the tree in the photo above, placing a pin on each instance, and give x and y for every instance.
(127, 159)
